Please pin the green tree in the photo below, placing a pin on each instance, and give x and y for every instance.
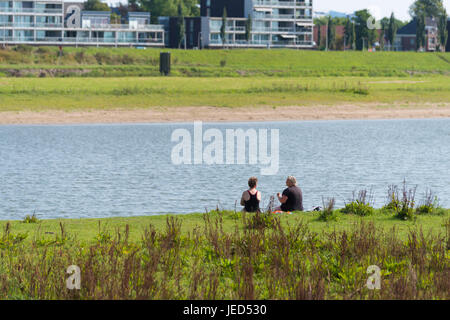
(223, 28)
(382, 35)
(420, 33)
(95, 5)
(427, 8)
(365, 37)
(349, 32)
(331, 30)
(181, 29)
(115, 18)
(319, 36)
(392, 30)
(248, 29)
(443, 32)
(169, 8)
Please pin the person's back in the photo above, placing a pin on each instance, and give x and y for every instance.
(294, 200)
(251, 198)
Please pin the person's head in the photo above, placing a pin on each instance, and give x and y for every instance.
(252, 182)
(291, 181)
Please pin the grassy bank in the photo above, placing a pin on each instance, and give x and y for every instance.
(224, 255)
(24, 61)
(71, 94)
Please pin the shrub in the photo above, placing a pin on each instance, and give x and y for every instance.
(31, 219)
(127, 59)
(328, 213)
(259, 220)
(429, 204)
(103, 58)
(361, 206)
(223, 63)
(402, 206)
(23, 48)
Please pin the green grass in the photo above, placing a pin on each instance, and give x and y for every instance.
(221, 256)
(70, 94)
(87, 229)
(224, 63)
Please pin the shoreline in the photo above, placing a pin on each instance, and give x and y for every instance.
(372, 111)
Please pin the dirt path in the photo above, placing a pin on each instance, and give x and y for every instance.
(215, 114)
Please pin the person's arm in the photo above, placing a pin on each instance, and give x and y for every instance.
(282, 198)
(244, 198)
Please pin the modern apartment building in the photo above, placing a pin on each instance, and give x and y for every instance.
(59, 22)
(275, 23)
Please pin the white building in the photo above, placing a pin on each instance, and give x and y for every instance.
(59, 22)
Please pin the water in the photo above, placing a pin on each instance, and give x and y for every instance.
(77, 171)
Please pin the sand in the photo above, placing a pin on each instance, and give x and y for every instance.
(217, 114)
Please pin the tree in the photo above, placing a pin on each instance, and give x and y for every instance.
(353, 36)
(427, 8)
(382, 35)
(115, 18)
(364, 35)
(223, 28)
(443, 32)
(391, 30)
(319, 36)
(349, 32)
(181, 29)
(248, 29)
(95, 5)
(169, 8)
(420, 33)
(331, 32)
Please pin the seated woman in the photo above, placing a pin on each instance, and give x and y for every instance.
(292, 197)
(251, 198)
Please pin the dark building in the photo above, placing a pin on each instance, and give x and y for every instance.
(192, 27)
(448, 41)
(214, 8)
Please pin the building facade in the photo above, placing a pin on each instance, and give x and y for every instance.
(59, 22)
(406, 38)
(275, 23)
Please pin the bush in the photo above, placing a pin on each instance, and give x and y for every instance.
(429, 204)
(103, 58)
(31, 219)
(361, 206)
(259, 220)
(403, 207)
(23, 48)
(328, 213)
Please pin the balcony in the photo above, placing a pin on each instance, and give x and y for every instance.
(31, 11)
(281, 3)
(281, 17)
(85, 40)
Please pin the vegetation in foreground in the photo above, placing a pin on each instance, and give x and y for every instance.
(230, 255)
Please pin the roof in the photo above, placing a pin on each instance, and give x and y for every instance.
(139, 14)
(96, 13)
(411, 28)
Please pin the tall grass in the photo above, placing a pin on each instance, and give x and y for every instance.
(223, 63)
(267, 262)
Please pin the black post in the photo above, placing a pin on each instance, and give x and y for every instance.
(164, 63)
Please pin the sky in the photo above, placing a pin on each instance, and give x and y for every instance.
(378, 8)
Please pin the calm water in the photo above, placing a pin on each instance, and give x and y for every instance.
(126, 170)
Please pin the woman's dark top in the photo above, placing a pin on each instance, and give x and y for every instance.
(252, 205)
(294, 200)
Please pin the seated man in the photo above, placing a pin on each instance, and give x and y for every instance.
(251, 198)
(292, 198)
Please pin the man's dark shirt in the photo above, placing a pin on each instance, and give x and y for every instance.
(294, 201)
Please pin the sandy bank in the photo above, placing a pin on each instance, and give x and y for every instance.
(217, 114)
